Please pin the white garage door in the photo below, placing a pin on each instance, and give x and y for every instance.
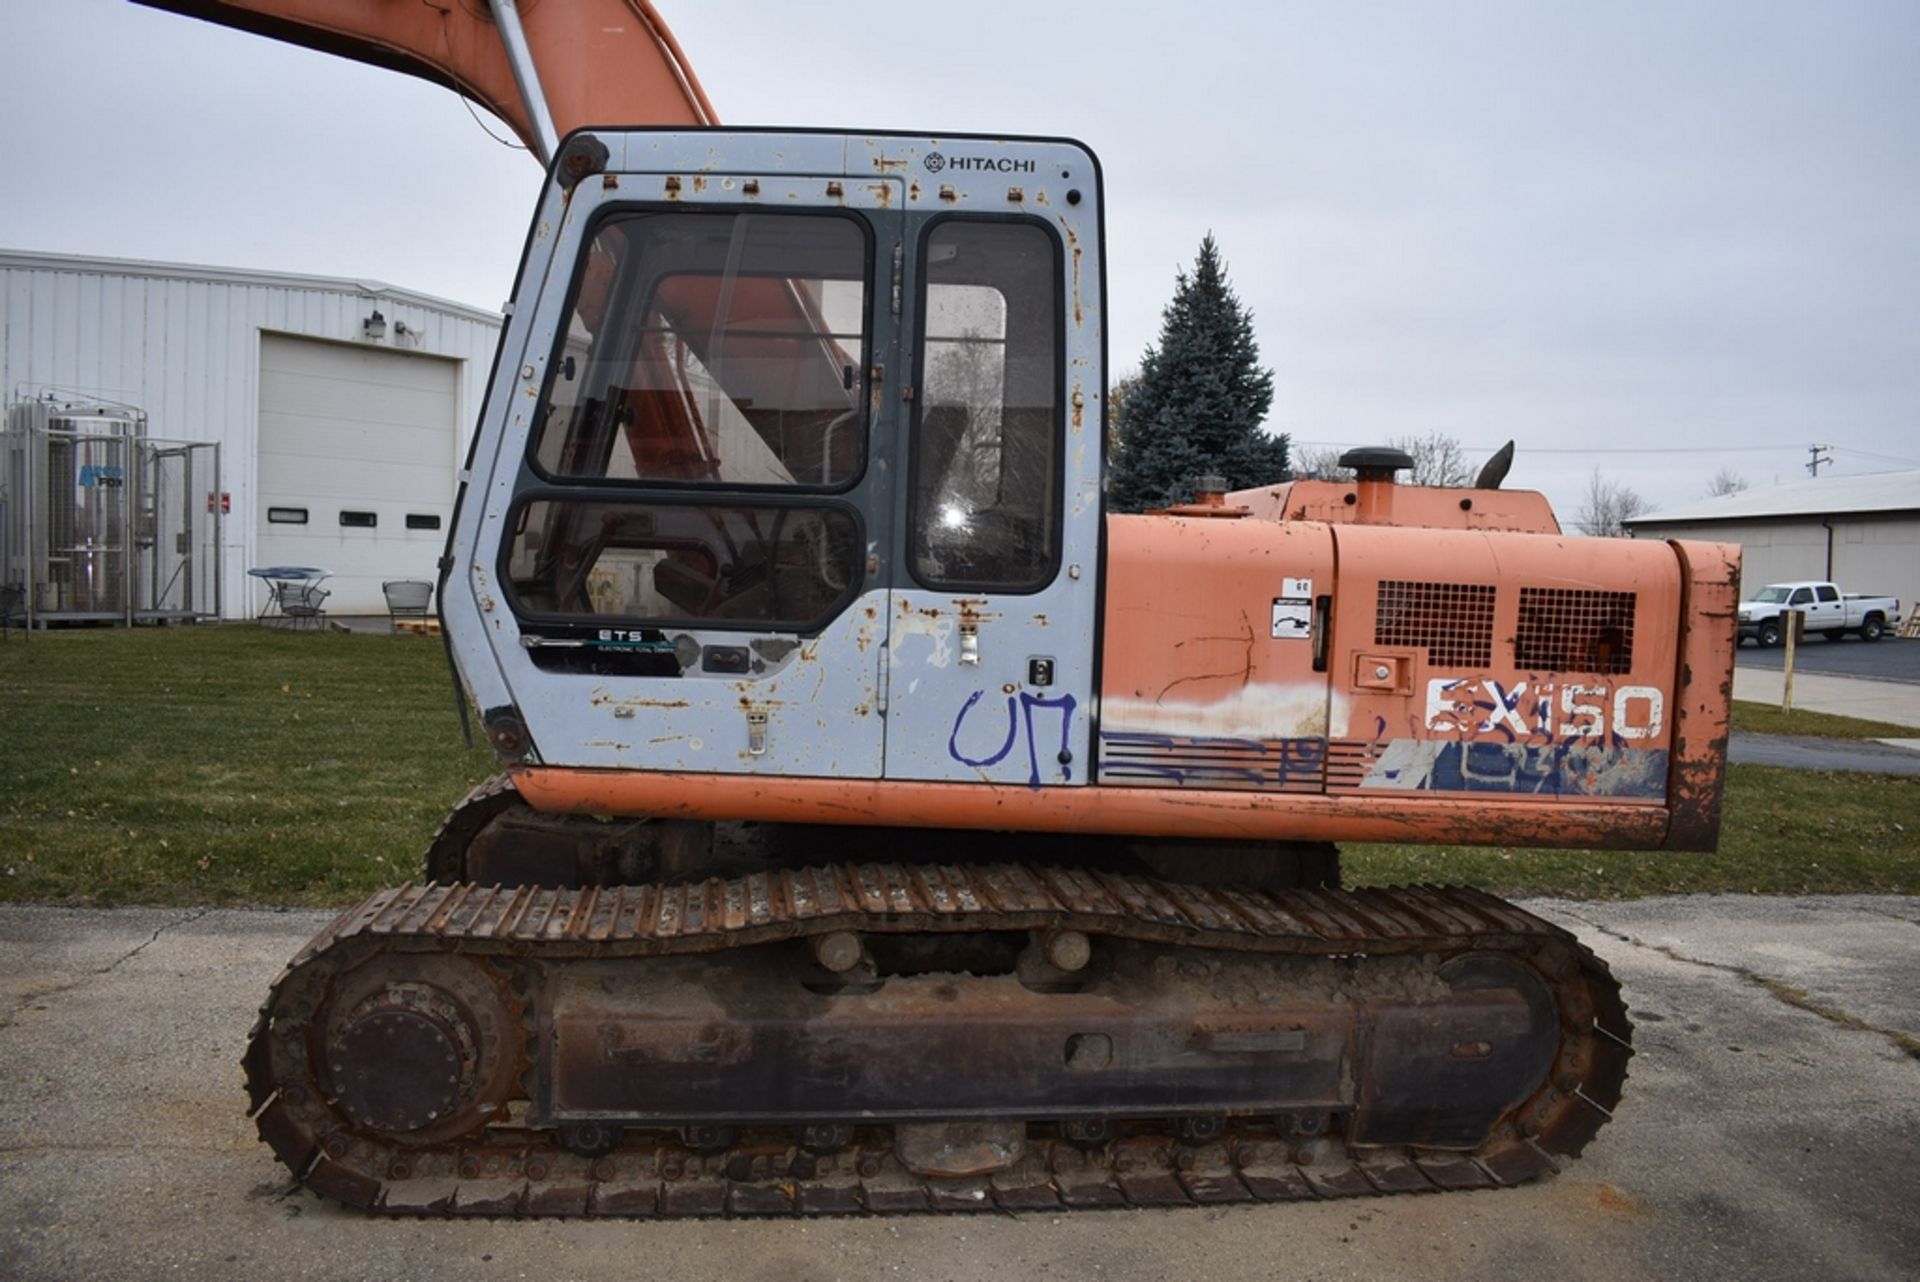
(357, 459)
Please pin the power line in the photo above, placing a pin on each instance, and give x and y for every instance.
(1608, 449)
(1882, 458)
(1656, 449)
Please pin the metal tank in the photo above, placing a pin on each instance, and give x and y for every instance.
(98, 523)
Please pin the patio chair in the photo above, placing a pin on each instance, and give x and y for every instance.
(406, 599)
(302, 603)
(13, 609)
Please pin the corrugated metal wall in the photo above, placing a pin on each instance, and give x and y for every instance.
(183, 343)
(1872, 552)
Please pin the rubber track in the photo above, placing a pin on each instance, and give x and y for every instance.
(500, 1170)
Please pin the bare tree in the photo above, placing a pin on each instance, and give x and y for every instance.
(1607, 508)
(1438, 459)
(1726, 481)
(1319, 463)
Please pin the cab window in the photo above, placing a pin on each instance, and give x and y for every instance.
(987, 430)
(722, 349)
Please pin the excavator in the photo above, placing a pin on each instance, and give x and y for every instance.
(884, 824)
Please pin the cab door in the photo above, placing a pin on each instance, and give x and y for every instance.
(694, 467)
(991, 642)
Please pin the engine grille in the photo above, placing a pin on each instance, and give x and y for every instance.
(1575, 630)
(1454, 621)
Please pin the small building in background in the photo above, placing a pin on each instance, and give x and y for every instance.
(342, 409)
(1862, 532)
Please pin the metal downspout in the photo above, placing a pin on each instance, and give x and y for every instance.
(526, 77)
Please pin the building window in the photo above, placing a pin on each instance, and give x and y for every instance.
(359, 520)
(423, 520)
(286, 516)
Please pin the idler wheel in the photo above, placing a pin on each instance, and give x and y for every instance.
(402, 1060)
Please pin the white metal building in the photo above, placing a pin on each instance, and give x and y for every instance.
(1862, 532)
(342, 408)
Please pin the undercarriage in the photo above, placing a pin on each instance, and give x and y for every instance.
(893, 1036)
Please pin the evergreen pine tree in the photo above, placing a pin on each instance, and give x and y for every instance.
(1198, 402)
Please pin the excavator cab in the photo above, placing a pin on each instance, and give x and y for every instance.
(791, 465)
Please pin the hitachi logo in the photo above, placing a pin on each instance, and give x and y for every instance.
(936, 162)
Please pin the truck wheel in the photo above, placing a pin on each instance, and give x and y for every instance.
(1769, 634)
(1873, 628)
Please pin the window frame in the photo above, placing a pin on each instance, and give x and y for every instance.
(557, 354)
(911, 442)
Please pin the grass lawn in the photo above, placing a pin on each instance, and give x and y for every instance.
(1766, 718)
(233, 765)
(223, 764)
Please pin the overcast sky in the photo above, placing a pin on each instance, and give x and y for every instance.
(1657, 238)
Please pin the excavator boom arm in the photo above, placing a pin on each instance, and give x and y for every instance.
(601, 61)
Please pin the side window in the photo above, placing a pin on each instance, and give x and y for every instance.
(1827, 592)
(1801, 596)
(987, 430)
(726, 349)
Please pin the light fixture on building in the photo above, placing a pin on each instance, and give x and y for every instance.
(374, 326)
(405, 333)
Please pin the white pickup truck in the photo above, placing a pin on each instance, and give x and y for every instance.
(1830, 613)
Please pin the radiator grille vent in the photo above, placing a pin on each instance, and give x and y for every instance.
(1454, 621)
(1574, 630)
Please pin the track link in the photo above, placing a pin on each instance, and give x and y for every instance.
(492, 1163)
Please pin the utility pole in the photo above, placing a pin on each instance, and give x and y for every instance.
(1821, 454)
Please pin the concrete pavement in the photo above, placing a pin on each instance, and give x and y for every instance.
(1771, 1128)
(1897, 702)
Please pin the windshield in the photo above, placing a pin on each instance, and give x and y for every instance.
(714, 348)
(1774, 594)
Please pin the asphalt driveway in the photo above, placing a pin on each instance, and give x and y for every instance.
(1888, 659)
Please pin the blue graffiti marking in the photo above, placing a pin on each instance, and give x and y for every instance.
(953, 740)
(1193, 760)
(1019, 715)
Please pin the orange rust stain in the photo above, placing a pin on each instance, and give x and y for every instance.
(1078, 315)
(604, 700)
